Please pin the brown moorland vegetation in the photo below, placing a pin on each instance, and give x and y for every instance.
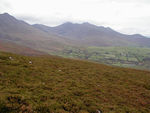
(7, 46)
(52, 84)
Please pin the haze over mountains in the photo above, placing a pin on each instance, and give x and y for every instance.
(51, 39)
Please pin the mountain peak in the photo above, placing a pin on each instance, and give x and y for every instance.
(86, 23)
(67, 23)
(5, 14)
(138, 36)
(71, 23)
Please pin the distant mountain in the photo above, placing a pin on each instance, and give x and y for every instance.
(22, 33)
(92, 35)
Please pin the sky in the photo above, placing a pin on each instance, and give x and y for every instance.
(126, 16)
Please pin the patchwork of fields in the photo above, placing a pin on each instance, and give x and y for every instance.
(117, 56)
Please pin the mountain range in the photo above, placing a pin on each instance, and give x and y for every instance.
(92, 35)
(51, 39)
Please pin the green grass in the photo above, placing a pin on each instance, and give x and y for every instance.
(119, 56)
(53, 84)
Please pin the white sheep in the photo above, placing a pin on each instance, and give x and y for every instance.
(11, 58)
(30, 62)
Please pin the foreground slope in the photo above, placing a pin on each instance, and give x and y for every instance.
(58, 85)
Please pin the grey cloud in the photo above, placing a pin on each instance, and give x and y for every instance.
(128, 1)
(4, 6)
(28, 18)
(38, 20)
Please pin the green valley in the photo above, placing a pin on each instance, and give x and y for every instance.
(134, 57)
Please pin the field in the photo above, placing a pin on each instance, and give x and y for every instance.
(133, 57)
(50, 84)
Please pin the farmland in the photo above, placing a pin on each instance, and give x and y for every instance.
(133, 57)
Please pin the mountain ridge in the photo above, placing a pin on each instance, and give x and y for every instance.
(87, 24)
(92, 35)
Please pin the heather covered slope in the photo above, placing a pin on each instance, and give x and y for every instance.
(8, 46)
(53, 84)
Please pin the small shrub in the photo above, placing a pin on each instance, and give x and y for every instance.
(146, 86)
(42, 109)
(4, 108)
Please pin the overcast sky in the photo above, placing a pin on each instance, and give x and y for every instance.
(126, 16)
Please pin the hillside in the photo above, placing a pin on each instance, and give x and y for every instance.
(7, 46)
(92, 35)
(57, 85)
